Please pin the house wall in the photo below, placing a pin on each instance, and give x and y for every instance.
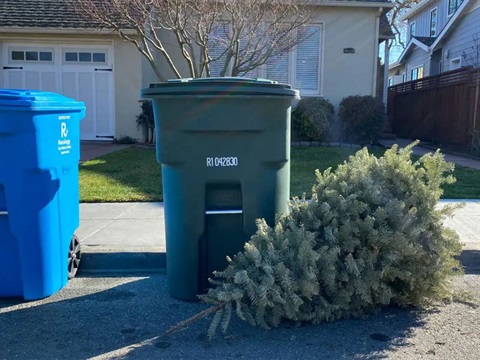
(341, 74)
(418, 57)
(396, 74)
(461, 40)
(128, 82)
(349, 74)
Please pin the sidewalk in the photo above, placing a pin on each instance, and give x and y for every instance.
(130, 237)
(419, 150)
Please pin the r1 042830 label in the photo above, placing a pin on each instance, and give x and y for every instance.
(222, 161)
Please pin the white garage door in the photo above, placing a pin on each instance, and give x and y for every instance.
(84, 73)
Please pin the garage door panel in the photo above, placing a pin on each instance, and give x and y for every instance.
(103, 110)
(49, 81)
(87, 95)
(14, 79)
(32, 80)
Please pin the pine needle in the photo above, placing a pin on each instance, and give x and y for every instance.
(194, 318)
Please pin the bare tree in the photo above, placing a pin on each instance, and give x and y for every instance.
(400, 8)
(234, 36)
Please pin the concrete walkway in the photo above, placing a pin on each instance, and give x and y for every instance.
(92, 149)
(130, 237)
(419, 150)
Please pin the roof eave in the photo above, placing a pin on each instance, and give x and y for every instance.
(363, 4)
(64, 30)
(414, 10)
(412, 42)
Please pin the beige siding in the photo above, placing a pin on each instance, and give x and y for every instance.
(349, 74)
(341, 74)
(128, 82)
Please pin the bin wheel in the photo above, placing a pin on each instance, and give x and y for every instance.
(74, 256)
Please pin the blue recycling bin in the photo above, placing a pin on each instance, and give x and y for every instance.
(39, 196)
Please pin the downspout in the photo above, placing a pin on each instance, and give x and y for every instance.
(376, 38)
(385, 73)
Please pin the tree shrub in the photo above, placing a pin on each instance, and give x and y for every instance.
(371, 236)
(362, 119)
(146, 122)
(312, 118)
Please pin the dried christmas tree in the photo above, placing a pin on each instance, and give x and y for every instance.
(370, 237)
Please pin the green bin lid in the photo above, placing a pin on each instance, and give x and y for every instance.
(230, 86)
(37, 100)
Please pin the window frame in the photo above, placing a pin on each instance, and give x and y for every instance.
(417, 69)
(30, 49)
(412, 29)
(434, 10)
(79, 51)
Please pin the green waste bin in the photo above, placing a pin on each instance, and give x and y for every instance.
(224, 146)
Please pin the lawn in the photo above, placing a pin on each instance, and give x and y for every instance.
(134, 175)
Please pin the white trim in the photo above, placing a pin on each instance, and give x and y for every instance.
(362, 4)
(459, 59)
(412, 42)
(410, 25)
(430, 22)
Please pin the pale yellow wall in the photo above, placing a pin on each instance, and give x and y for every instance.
(128, 83)
(348, 74)
(342, 74)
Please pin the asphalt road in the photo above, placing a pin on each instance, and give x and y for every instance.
(124, 317)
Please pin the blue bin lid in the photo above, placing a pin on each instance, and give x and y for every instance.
(224, 86)
(37, 100)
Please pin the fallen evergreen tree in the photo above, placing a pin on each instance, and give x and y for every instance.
(370, 236)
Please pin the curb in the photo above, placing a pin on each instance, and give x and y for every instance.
(124, 263)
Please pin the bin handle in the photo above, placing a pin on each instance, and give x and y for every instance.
(223, 212)
(3, 213)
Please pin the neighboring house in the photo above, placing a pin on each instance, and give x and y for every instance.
(47, 45)
(396, 73)
(442, 35)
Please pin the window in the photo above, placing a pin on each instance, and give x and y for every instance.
(456, 63)
(31, 55)
(404, 77)
(412, 29)
(308, 61)
(433, 22)
(85, 57)
(453, 5)
(299, 67)
(217, 45)
(416, 73)
(390, 81)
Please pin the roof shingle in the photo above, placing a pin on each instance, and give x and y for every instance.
(43, 14)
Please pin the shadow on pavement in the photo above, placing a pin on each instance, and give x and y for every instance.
(470, 260)
(123, 318)
(122, 262)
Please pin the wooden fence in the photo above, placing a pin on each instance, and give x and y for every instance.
(444, 108)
